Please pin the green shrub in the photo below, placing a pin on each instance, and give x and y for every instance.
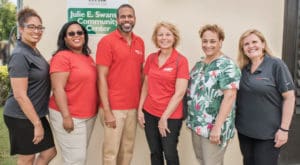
(4, 84)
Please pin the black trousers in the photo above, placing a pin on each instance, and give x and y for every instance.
(161, 147)
(258, 152)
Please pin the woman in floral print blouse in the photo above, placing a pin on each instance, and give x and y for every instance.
(212, 89)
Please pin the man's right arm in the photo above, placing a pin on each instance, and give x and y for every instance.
(109, 118)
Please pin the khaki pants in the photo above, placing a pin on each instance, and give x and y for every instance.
(118, 143)
(206, 152)
(73, 145)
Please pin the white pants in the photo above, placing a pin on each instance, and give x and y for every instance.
(73, 145)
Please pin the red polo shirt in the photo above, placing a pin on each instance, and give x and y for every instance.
(161, 82)
(125, 64)
(81, 87)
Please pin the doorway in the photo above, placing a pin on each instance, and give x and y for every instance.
(290, 154)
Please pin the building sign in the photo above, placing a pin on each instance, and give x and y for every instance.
(98, 16)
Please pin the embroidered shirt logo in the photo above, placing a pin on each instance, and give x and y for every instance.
(262, 78)
(169, 69)
(138, 52)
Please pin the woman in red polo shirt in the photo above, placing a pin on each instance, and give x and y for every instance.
(160, 109)
(73, 105)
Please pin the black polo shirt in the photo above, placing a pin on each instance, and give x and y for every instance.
(27, 63)
(259, 100)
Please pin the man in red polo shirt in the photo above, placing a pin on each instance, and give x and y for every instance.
(119, 58)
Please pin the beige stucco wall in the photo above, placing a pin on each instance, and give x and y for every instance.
(235, 16)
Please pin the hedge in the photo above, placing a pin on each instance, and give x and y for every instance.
(4, 84)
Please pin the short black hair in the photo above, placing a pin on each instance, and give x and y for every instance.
(123, 6)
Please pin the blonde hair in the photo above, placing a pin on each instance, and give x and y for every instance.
(214, 28)
(170, 27)
(243, 59)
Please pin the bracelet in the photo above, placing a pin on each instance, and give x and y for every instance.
(284, 130)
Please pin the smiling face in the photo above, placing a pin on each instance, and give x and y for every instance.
(253, 47)
(211, 44)
(126, 19)
(165, 38)
(74, 38)
(31, 32)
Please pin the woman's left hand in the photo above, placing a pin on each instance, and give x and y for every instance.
(215, 135)
(281, 138)
(38, 133)
(163, 127)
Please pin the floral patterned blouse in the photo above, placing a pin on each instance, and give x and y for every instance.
(205, 96)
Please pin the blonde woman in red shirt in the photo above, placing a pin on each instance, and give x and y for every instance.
(160, 109)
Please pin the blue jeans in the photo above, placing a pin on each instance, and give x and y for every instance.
(258, 152)
(161, 147)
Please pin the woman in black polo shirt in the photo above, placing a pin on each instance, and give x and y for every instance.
(265, 101)
(27, 105)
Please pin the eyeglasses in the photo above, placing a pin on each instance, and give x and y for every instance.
(32, 27)
(72, 34)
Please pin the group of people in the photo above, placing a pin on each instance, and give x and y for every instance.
(257, 97)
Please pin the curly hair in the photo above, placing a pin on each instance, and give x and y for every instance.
(214, 28)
